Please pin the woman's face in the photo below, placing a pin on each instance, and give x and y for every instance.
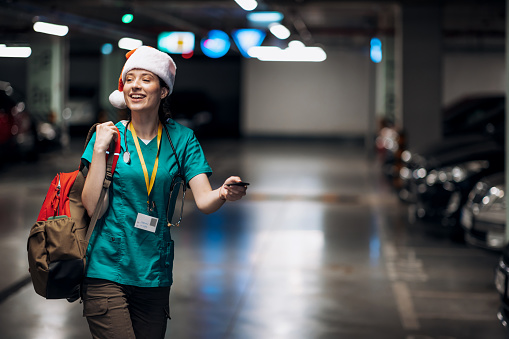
(142, 90)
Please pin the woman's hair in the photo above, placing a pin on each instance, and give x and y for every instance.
(164, 107)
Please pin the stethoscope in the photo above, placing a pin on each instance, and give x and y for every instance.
(127, 154)
(127, 160)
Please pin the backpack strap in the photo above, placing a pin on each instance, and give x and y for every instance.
(114, 151)
(106, 186)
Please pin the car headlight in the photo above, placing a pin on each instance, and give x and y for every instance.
(406, 156)
(419, 173)
(460, 172)
(456, 173)
(432, 178)
(494, 198)
(405, 173)
(492, 206)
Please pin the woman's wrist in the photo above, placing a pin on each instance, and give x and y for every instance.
(221, 196)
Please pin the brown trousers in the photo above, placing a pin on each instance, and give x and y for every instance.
(125, 312)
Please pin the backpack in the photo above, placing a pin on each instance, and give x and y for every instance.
(58, 241)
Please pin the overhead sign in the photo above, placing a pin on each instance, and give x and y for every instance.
(176, 42)
(247, 38)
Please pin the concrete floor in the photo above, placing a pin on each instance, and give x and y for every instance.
(320, 248)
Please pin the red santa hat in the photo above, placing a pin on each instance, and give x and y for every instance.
(150, 59)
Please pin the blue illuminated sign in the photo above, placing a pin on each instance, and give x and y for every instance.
(247, 38)
(376, 50)
(176, 42)
(216, 44)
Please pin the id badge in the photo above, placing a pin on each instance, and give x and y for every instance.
(146, 222)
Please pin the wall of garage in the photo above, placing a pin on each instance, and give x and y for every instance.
(332, 98)
(472, 73)
(328, 98)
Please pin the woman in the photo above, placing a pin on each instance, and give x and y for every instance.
(130, 254)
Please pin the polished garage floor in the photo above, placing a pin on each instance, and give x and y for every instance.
(320, 248)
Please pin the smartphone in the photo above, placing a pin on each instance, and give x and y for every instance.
(238, 184)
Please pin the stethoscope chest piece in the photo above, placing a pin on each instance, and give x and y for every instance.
(127, 157)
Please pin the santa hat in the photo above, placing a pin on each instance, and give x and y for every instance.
(150, 59)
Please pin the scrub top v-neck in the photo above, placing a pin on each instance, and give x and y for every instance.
(120, 252)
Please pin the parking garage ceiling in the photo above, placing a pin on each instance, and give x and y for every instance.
(330, 24)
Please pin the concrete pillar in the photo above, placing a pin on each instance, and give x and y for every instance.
(507, 121)
(47, 80)
(385, 90)
(420, 61)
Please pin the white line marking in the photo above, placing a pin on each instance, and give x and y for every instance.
(455, 295)
(458, 316)
(405, 306)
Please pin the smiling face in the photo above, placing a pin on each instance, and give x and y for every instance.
(142, 91)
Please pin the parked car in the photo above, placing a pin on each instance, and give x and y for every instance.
(413, 162)
(440, 188)
(501, 284)
(483, 216)
(18, 134)
(474, 114)
(468, 121)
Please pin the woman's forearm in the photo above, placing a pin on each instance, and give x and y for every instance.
(94, 181)
(208, 200)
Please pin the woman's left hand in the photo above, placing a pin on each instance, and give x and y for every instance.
(232, 193)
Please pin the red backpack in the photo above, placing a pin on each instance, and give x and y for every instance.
(58, 241)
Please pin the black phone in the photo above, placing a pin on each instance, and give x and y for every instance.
(238, 184)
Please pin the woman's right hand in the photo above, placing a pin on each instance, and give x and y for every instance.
(104, 133)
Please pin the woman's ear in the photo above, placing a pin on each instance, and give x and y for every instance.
(164, 92)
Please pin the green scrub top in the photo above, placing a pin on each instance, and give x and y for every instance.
(117, 250)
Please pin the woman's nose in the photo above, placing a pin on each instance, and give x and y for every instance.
(136, 83)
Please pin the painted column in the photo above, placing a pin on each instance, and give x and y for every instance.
(47, 81)
(420, 62)
(506, 121)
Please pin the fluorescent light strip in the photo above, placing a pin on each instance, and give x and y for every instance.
(279, 31)
(15, 52)
(296, 51)
(129, 43)
(265, 17)
(47, 28)
(247, 5)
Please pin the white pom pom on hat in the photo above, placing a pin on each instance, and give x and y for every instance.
(150, 59)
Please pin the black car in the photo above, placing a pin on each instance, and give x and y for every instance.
(474, 114)
(501, 284)
(467, 122)
(440, 188)
(483, 216)
(425, 157)
(18, 134)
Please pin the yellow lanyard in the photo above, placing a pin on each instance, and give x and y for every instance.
(150, 184)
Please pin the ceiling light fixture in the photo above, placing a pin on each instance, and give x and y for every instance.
(296, 51)
(265, 17)
(247, 5)
(53, 29)
(129, 43)
(127, 18)
(14, 52)
(279, 31)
